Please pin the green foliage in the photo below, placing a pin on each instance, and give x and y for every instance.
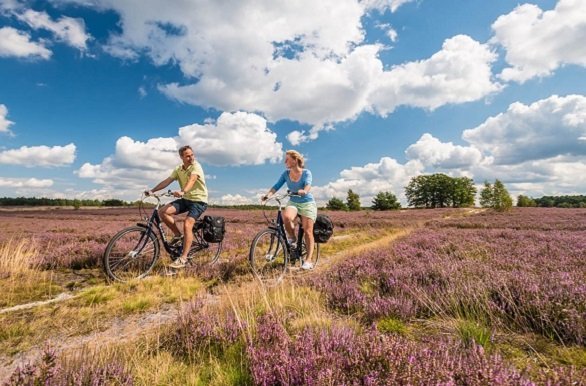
(336, 204)
(440, 191)
(524, 201)
(495, 196)
(472, 332)
(353, 200)
(391, 325)
(137, 304)
(578, 201)
(113, 202)
(42, 201)
(385, 201)
(463, 192)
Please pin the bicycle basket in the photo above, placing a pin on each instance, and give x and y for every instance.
(214, 229)
(323, 228)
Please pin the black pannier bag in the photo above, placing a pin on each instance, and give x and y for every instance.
(323, 228)
(213, 229)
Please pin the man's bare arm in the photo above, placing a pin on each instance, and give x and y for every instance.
(161, 185)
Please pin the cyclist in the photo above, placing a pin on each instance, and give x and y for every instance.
(298, 182)
(192, 198)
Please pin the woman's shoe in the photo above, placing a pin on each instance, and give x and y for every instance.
(307, 265)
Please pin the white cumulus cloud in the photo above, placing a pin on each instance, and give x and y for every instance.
(432, 152)
(235, 199)
(385, 175)
(538, 42)
(234, 139)
(31, 183)
(305, 61)
(33, 156)
(15, 43)
(4, 122)
(382, 5)
(535, 149)
(541, 130)
(66, 29)
(460, 72)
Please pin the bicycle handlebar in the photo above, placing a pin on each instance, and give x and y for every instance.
(168, 193)
(281, 196)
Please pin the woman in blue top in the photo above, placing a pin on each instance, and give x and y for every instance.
(298, 182)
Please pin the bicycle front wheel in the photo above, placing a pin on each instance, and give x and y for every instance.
(268, 257)
(131, 254)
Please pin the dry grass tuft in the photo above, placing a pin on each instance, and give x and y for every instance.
(17, 256)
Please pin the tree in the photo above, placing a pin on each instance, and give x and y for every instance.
(336, 204)
(353, 200)
(463, 192)
(495, 196)
(524, 201)
(113, 202)
(440, 191)
(385, 201)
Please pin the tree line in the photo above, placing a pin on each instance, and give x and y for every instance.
(76, 203)
(552, 201)
(425, 191)
(442, 191)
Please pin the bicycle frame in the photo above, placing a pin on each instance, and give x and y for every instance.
(155, 222)
(279, 226)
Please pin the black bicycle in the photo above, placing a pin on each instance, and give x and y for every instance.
(271, 253)
(134, 251)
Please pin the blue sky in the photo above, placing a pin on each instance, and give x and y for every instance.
(96, 95)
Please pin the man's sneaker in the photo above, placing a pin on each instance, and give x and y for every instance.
(179, 263)
(307, 265)
(175, 240)
(269, 257)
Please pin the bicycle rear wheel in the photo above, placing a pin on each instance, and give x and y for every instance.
(268, 257)
(202, 252)
(131, 254)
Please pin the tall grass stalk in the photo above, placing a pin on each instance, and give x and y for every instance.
(17, 256)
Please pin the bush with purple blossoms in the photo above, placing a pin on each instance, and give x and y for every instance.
(531, 278)
(47, 371)
(342, 356)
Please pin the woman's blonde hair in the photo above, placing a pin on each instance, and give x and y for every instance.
(297, 157)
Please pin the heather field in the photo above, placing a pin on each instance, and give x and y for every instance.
(410, 297)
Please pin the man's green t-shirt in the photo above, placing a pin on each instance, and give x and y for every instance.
(199, 191)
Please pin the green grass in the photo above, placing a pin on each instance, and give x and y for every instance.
(27, 287)
(390, 325)
(473, 332)
(138, 304)
(92, 310)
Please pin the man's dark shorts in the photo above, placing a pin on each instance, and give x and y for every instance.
(194, 208)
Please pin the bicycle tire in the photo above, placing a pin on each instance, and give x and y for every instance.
(203, 252)
(268, 256)
(122, 264)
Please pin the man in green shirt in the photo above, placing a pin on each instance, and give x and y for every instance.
(192, 198)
